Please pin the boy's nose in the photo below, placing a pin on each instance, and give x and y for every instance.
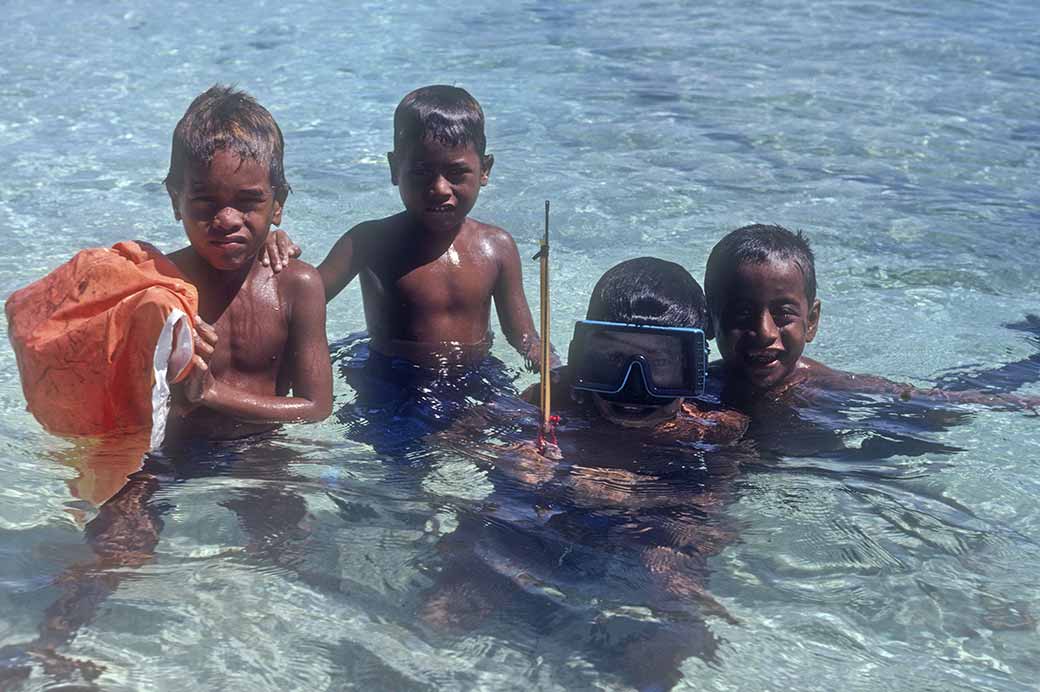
(440, 187)
(766, 331)
(228, 219)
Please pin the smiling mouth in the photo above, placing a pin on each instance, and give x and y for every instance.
(227, 241)
(441, 209)
(762, 359)
(631, 410)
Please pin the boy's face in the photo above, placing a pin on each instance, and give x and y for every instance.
(633, 407)
(438, 183)
(765, 322)
(227, 208)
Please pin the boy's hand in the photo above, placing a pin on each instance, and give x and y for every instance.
(278, 249)
(533, 355)
(200, 382)
(205, 339)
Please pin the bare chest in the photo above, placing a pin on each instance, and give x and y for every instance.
(252, 333)
(453, 281)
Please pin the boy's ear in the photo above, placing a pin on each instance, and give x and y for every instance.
(281, 194)
(486, 162)
(814, 321)
(394, 173)
(276, 217)
(174, 202)
(709, 326)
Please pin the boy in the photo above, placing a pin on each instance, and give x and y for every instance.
(429, 273)
(761, 290)
(649, 292)
(642, 479)
(258, 335)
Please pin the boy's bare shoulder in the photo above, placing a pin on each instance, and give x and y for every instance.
(299, 280)
(379, 227)
(821, 376)
(491, 232)
(494, 240)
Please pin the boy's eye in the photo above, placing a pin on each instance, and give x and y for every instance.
(741, 313)
(457, 175)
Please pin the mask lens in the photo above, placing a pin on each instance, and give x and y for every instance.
(608, 355)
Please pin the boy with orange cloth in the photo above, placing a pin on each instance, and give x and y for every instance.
(85, 336)
(258, 334)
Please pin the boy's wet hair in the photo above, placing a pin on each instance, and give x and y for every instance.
(446, 114)
(756, 244)
(650, 291)
(224, 118)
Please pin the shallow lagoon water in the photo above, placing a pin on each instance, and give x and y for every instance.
(903, 140)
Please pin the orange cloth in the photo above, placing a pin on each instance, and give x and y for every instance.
(85, 337)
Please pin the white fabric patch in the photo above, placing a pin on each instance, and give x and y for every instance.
(168, 352)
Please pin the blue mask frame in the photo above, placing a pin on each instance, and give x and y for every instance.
(695, 360)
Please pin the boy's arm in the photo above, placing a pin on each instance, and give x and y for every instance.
(337, 270)
(308, 361)
(511, 304)
(342, 263)
(873, 384)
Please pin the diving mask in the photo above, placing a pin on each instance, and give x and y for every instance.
(671, 361)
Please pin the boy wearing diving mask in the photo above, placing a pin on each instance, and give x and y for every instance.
(640, 354)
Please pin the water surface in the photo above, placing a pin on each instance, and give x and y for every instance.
(861, 546)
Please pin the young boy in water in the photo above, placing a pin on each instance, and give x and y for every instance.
(258, 335)
(761, 290)
(651, 292)
(429, 273)
(641, 477)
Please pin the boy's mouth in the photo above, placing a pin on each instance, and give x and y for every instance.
(759, 360)
(631, 409)
(441, 209)
(630, 415)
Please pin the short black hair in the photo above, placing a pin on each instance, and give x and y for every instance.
(223, 118)
(756, 244)
(649, 291)
(445, 114)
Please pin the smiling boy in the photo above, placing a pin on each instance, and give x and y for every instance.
(430, 273)
(760, 283)
(259, 335)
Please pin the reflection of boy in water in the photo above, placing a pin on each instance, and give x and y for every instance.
(761, 290)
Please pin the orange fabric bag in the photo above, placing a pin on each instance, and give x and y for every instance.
(94, 337)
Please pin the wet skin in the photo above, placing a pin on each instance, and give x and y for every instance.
(429, 274)
(260, 334)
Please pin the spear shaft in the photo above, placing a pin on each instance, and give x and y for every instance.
(546, 388)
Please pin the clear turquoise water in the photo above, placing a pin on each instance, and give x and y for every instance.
(903, 140)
